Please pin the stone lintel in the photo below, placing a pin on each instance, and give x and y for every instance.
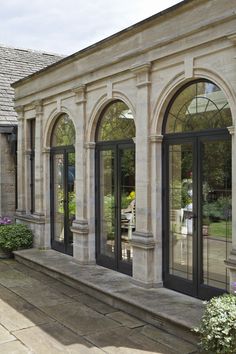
(143, 240)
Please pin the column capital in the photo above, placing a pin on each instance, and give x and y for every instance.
(20, 112)
(90, 146)
(38, 105)
(46, 150)
(142, 73)
(80, 94)
(231, 130)
(155, 138)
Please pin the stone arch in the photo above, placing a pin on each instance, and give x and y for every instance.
(52, 118)
(99, 106)
(176, 83)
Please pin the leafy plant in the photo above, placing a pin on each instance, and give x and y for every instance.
(15, 236)
(218, 325)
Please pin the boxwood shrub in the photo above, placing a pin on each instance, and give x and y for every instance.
(15, 236)
(217, 329)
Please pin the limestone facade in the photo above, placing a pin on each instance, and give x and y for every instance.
(143, 66)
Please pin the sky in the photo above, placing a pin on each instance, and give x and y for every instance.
(66, 26)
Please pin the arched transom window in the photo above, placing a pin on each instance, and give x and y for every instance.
(63, 132)
(117, 123)
(198, 106)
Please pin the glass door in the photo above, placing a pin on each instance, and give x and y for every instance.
(115, 205)
(215, 224)
(198, 219)
(62, 199)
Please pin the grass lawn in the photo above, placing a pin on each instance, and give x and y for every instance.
(220, 229)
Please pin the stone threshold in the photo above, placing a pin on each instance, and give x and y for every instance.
(166, 309)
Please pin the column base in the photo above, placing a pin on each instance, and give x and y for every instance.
(81, 242)
(143, 259)
(231, 266)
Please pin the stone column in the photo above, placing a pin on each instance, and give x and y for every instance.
(45, 241)
(142, 239)
(20, 162)
(80, 224)
(231, 261)
(39, 192)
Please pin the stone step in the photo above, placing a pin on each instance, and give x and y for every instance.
(165, 309)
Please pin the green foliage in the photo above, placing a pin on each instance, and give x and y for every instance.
(13, 237)
(218, 325)
(218, 210)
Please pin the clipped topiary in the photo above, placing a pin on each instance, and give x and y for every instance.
(217, 329)
(14, 237)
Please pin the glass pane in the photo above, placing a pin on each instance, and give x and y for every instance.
(117, 123)
(58, 188)
(71, 193)
(63, 132)
(107, 204)
(216, 211)
(180, 210)
(199, 106)
(127, 227)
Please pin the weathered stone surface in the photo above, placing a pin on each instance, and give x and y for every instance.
(80, 318)
(5, 336)
(14, 347)
(55, 338)
(125, 320)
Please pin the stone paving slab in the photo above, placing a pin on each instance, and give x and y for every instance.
(54, 339)
(14, 347)
(94, 304)
(80, 318)
(125, 319)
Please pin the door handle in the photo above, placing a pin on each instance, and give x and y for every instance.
(192, 216)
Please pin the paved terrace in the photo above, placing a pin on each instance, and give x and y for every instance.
(153, 312)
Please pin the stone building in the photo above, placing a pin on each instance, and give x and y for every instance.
(135, 151)
(14, 65)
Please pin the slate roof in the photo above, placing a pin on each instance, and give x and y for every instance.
(14, 65)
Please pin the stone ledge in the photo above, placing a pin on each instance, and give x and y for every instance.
(163, 308)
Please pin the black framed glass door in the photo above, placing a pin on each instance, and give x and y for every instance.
(197, 222)
(62, 198)
(115, 204)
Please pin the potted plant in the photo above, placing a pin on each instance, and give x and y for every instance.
(14, 237)
(217, 329)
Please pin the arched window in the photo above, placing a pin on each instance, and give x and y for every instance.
(115, 192)
(117, 123)
(198, 106)
(63, 132)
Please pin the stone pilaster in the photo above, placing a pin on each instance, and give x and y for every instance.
(231, 261)
(20, 162)
(142, 239)
(156, 203)
(39, 193)
(80, 224)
